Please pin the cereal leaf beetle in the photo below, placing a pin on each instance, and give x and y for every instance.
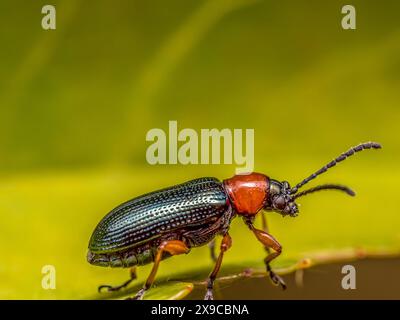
(171, 221)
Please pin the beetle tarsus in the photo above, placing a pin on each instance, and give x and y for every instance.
(277, 280)
(139, 295)
(209, 295)
(109, 288)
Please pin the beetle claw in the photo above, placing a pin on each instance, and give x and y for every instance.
(116, 288)
(100, 288)
(139, 295)
(277, 280)
(209, 295)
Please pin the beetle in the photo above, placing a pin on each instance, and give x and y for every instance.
(171, 221)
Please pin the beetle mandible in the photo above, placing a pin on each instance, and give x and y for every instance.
(171, 221)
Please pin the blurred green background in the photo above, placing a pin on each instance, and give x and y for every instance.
(76, 104)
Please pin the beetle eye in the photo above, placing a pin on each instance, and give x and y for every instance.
(280, 203)
(286, 185)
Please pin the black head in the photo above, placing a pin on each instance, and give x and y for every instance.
(282, 197)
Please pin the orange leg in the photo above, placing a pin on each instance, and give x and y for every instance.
(225, 245)
(132, 273)
(174, 247)
(264, 223)
(269, 242)
(264, 226)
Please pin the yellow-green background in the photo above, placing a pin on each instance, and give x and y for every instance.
(76, 103)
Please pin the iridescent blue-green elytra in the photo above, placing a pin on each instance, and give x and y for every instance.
(130, 233)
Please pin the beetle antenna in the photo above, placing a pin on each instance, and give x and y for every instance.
(325, 187)
(343, 156)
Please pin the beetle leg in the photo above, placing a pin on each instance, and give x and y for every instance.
(174, 247)
(225, 245)
(264, 222)
(133, 276)
(264, 226)
(269, 242)
(211, 246)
